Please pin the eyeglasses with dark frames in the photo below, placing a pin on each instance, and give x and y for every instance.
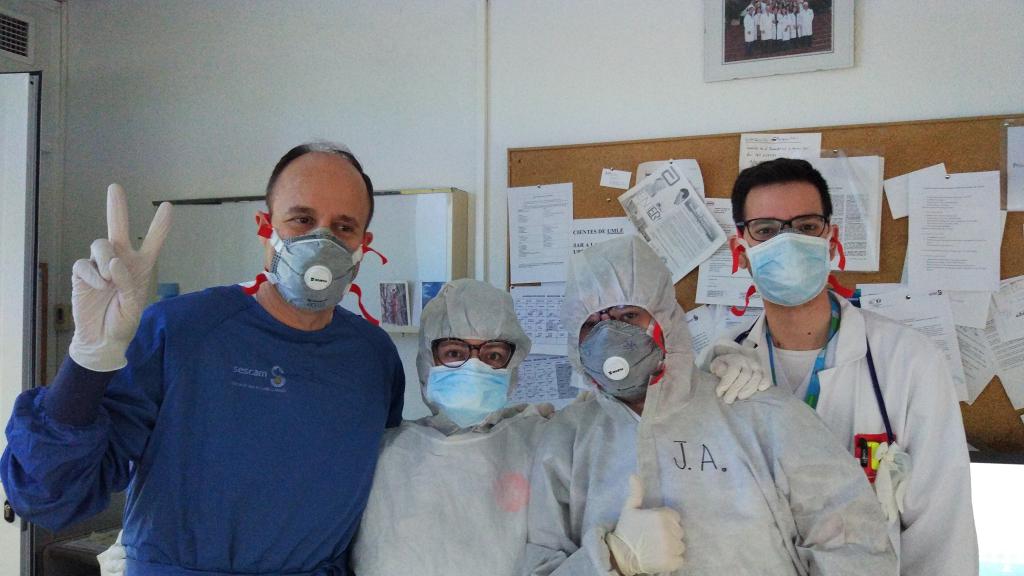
(454, 352)
(763, 229)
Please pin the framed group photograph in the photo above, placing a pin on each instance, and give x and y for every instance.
(750, 38)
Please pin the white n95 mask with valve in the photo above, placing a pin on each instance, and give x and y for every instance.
(312, 271)
(621, 358)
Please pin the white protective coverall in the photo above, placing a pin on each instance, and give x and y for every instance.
(450, 501)
(760, 485)
(935, 534)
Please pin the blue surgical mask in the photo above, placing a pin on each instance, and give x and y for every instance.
(467, 394)
(790, 269)
(312, 271)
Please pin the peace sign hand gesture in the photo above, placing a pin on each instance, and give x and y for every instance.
(109, 290)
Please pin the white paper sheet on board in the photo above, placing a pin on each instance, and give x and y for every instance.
(1015, 168)
(539, 310)
(897, 189)
(928, 313)
(543, 378)
(689, 167)
(978, 360)
(611, 178)
(671, 217)
(855, 185)
(1009, 358)
(1008, 308)
(757, 148)
(539, 220)
(950, 241)
(716, 283)
(589, 231)
(709, 323)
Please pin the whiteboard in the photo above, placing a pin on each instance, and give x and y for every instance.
(214, 244)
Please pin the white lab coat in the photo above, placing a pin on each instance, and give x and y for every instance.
(807, 29)
(759, 486)
(767, 26)
(749, 27)
(935, 535)
(786, 26)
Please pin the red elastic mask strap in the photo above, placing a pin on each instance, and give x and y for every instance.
(659, 337)
(383, 258)
(842, 253)
(839, 288)
(355, 289)
(252, 290)
(265, 229)
(739, 249)
(736, 310)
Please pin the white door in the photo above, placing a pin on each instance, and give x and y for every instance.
(19, 98)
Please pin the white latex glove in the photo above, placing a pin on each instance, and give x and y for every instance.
(740, 370)
(646, 541)
(892, 479)
(109, 290)
(112, 560)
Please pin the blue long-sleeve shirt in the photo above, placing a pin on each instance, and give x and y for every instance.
(246, 446)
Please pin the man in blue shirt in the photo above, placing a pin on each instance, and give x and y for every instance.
(244, 421)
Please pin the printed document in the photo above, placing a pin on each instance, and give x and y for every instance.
(544, 379)
(539, 219)
(589, 231)
(928, 313)
(539, 310)
(1015, 168)
(611, 178)
(855, 184)
(950, 243)
(689, 167)
(672, 219)
(757, 148)
(978, 360)
(897, 189)
(716, 283)
(1008, 311)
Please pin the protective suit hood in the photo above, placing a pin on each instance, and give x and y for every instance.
(625, 271)
(473, 310)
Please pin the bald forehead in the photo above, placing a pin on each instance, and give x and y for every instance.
(322, 175)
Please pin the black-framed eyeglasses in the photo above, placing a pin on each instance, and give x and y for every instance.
(762, 229)
(454, 352)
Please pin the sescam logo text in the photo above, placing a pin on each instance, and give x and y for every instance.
(275, 378)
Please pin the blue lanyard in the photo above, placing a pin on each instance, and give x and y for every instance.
(814, 387)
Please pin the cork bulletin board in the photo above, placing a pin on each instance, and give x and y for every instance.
(963, 144)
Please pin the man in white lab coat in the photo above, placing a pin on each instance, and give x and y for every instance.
(883, 389)
(749, 30)
(767, 24)
(806, 17)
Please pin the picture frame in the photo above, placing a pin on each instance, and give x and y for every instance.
(814, 35)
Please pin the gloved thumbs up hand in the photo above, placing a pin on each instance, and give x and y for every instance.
(109, 290)
(646, 541)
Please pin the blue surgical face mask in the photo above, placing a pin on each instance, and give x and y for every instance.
(312, 271)
(790, 269)
(467, 394)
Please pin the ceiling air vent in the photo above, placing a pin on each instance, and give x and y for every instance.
(15, 37)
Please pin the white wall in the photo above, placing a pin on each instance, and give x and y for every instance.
(196, 98)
